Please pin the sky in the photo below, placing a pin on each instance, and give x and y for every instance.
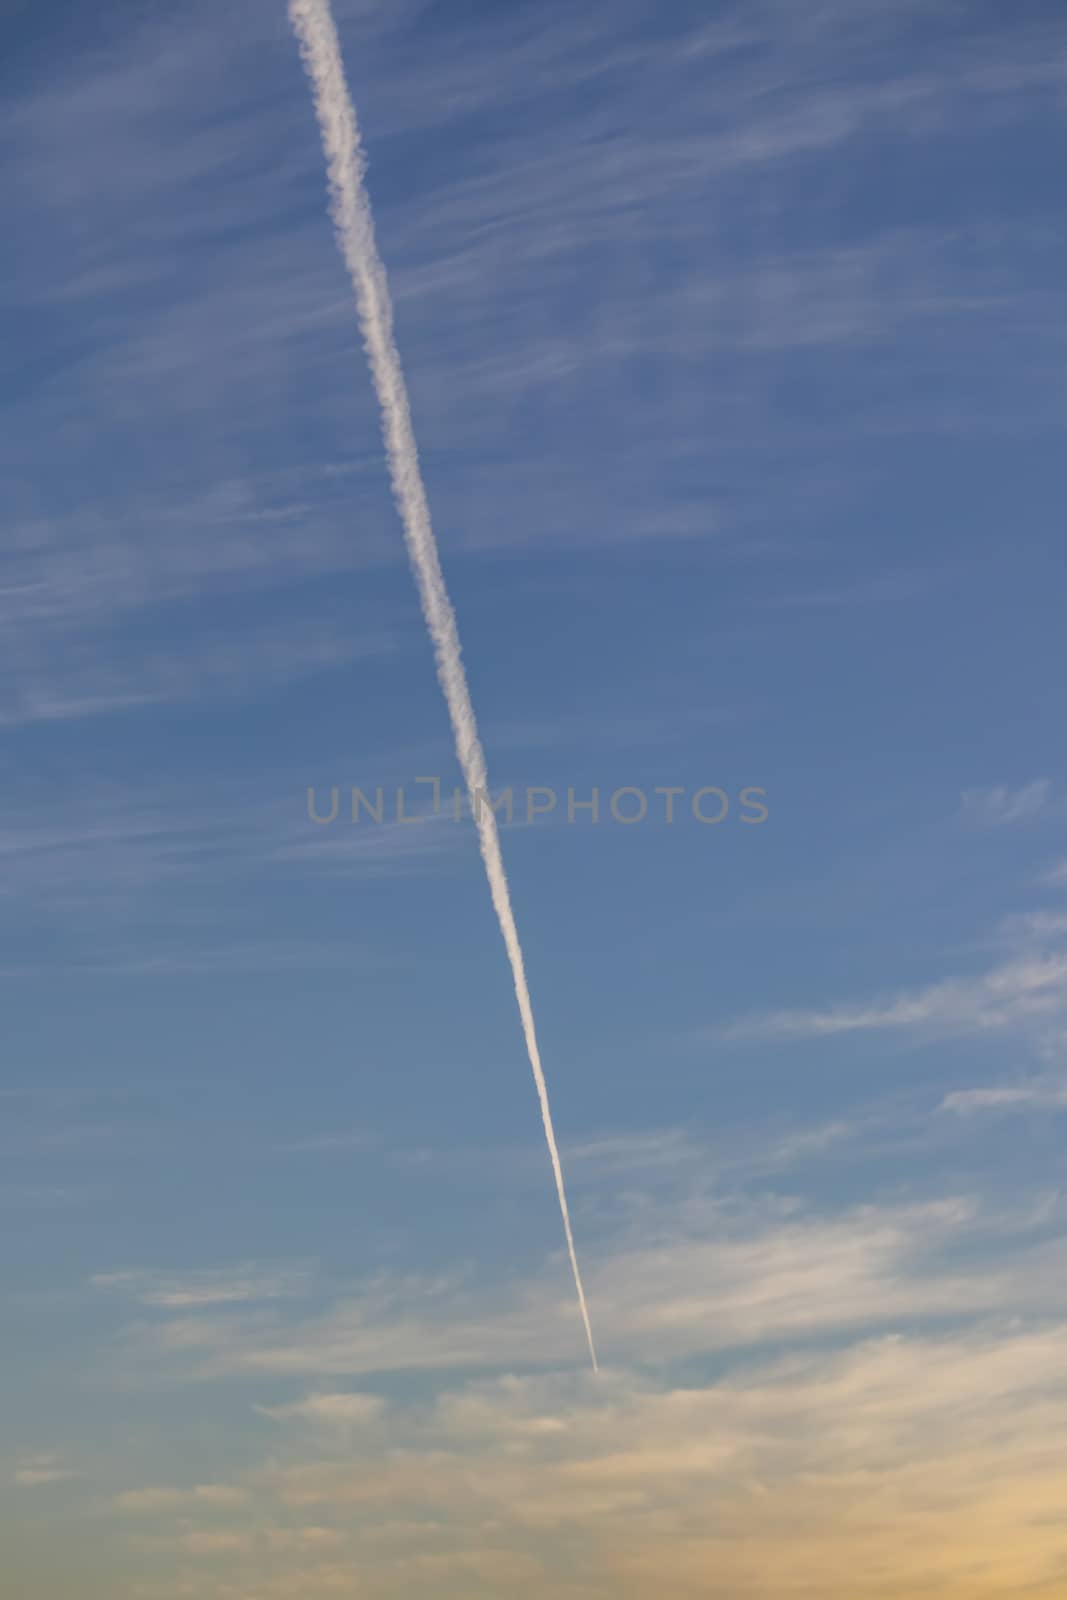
(735, 342)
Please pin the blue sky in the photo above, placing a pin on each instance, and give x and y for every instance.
(734, 337)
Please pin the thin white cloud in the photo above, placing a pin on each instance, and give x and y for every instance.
(343, 1410)
(92, 865)
(341, 847)
(1016, 993)
(200, 1497)
(633, 1153)
(1031, 927)
(166, 1291)
(683, 1278)
(1046, 1096)
(676, 1157)
(927, 1462)
(86, 676)
(211, 1544)
(37, 1472)
(1000, 806)
(342, 1142)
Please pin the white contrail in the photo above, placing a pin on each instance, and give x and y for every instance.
(320, 48)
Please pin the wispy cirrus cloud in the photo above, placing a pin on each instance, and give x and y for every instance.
(39, 1471)
(193, 349)
(338, 1140)
(714, 1278)
(1015, 994)
(1040, 1095)
(1029, 928)
(999, 806)
(344, 1409)
(919, 1399)
(81, 875)
(73, 680)
(917, 1458)
(193, 1290)
(199, 1497)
